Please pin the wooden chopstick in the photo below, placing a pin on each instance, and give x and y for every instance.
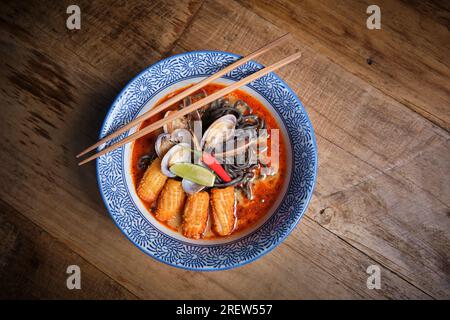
(197, 105)
(185, 93)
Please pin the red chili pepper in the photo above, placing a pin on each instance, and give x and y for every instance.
(212, 162)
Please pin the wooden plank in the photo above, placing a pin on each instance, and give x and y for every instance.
(409, 55)
(396, 224)
(434, 9)
(364, 137)
(119, 38)
(33, 265)
(300, 268)
(46, 186)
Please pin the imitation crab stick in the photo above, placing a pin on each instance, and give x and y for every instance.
(223, 210)
(171, 201)
(195, 215)
(152, 182)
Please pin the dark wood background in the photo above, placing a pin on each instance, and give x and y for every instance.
(379, 101)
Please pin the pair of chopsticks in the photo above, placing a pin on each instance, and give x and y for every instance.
(197, 105)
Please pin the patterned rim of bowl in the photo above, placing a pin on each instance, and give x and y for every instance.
(151, 239)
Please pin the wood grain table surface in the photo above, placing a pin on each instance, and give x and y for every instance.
(379, 101)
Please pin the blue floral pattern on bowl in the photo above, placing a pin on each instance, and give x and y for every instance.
(150, 239)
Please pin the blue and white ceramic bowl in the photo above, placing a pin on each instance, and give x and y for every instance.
(163, 244)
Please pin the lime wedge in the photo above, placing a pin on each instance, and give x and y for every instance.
(194, 173)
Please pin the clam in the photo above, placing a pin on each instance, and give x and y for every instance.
(178, 153)
(219, 131)
(179, 123)
(181, 136)
(191, 187)
(165, 141)
(163, 144)
(185, 122)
